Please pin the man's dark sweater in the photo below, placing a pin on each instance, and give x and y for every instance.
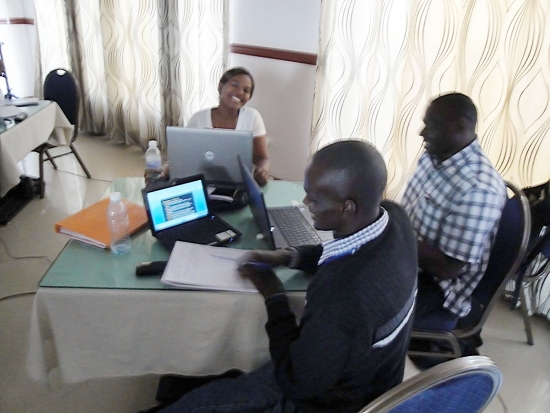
(352, 340)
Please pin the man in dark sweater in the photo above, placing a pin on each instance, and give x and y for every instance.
(351, 343)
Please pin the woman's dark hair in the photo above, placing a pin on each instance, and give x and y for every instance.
(235, 72)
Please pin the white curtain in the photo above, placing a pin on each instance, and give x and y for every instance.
(381, 61)
(141, 64)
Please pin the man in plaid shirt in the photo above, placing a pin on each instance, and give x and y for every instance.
(454, 201)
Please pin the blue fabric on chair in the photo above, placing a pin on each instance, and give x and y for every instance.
(61, 87)
(504, 251)
(462, 385)
(546, 248)
(460, 395)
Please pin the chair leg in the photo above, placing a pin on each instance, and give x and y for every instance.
(80, 161)
(50, 158)
(526, 318)
(41, 168)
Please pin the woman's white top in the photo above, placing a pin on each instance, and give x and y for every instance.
(249, 119)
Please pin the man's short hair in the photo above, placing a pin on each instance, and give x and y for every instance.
(458, 105)
(364, 170)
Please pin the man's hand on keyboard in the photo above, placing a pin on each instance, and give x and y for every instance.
(278, 258)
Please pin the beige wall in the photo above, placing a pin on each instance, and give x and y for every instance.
(284, 90)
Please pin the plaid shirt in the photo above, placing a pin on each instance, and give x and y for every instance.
(456, 207)
(348, 245)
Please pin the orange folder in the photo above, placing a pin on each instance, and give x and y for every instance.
(90, 224)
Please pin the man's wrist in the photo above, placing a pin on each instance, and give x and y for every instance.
(293, 257)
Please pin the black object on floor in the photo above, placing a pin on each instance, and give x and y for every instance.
(17, 197)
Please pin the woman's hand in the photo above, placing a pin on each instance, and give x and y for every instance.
(157, 174)
(261, 175)
(260, 159)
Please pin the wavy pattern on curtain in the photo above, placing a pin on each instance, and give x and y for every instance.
(141, 64)
(381, 61)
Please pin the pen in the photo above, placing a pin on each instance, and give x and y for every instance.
(258, 264)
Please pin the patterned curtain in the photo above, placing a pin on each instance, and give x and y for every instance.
(380, 62)
(141, 64)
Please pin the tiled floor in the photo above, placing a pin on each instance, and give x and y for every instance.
(526, 368)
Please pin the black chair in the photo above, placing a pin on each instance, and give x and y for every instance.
(506, 255)
(536, 263)
(458, 386)
(61, 87)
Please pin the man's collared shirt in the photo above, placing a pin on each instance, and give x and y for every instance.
(348, 245)
(456, 206)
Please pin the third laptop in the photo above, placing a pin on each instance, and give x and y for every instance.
(289, 226)
(179, 210)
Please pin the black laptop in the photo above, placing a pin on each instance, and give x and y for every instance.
(281, 226)
(179, 210)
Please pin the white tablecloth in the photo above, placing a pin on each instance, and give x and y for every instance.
(91, 333)
(49, 123)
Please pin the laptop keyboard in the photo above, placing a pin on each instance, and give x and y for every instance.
(199, 233)
(294, 226)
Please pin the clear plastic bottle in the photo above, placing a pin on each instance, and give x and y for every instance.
(153, 162)
(117, 217)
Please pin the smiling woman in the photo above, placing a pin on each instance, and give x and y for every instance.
(236, 87)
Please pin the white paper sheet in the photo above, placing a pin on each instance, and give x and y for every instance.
(201, 267)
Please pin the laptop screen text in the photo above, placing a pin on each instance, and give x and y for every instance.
(177, 205)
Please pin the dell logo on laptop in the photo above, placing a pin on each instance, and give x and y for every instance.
(209, 156)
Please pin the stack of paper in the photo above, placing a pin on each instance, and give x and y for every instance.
(202, 267)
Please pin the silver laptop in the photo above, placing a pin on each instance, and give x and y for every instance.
(281, 226)
(212, 152)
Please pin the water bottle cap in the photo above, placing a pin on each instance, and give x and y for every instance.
(115, 196)
(153, 144)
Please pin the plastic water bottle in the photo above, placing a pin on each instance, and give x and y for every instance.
(153, 162)
(117, 217)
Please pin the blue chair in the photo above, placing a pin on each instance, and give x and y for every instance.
(462, 385)
(506, 256)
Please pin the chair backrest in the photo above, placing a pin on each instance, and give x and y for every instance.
(539, 201)
(462, 385)
(506, 255)
(507, 252)
(61, 87)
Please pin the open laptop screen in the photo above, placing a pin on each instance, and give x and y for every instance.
(212, 152)
(257, 204)
(178, 204)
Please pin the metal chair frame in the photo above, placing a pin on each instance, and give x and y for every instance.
(453, 337)
(440, 374)
(536, 269)
(3, 74)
